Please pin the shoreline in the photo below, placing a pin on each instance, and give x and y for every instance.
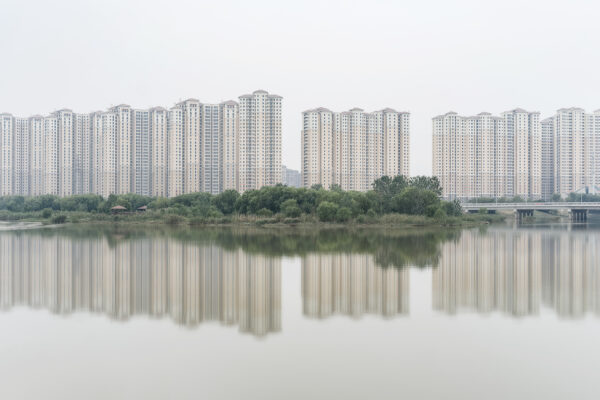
(277, 221)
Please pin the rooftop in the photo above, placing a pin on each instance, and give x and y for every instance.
(570, 109)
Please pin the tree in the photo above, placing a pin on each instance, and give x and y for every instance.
(225, 201)
(556, 197)
(343, 214)
(453, 208)
(439, 215)
(264, 212)
(386, 188)
(427, 183)
(414, 201)
(327, 211)
(290, 208)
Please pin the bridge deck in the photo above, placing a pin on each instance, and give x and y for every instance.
(532, 206)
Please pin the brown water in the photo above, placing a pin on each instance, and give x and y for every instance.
(504, 312)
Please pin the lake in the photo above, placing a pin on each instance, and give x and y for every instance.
(498, 312)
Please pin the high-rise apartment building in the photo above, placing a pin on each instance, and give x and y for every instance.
(36, 155)
(229, 125)
(141, 150)
(488, 156)
(192, 147)
(159, 152)
(21, 157)
(259, 140)
(547, 158)
(576, 145)
(352, 149)
(82, 156)
(6, 154)
(212, 139)
(51, 155)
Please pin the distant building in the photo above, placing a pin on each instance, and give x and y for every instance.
(352, 149)
(291, 177)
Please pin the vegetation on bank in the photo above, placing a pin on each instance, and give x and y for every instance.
(394, 201)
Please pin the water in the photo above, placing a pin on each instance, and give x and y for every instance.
(98, 312)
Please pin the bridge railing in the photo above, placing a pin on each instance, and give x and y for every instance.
(531, 205)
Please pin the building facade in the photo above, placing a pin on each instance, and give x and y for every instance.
(259, 140)
(352, 149)
(193, 147)
(291, 177)
(576, 136)
(488, 156)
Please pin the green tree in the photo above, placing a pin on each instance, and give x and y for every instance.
(225, 201)
(440, 215)
(414, 201)
(431, 183)
(453, 208)
(290, 208)
(343, 214)
(327, 211)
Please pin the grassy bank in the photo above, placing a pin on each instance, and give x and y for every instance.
(163, 218)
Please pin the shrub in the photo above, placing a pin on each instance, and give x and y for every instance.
(46, 213)
(174, 219)
(343, 214)
(59, 219)
(440, 215)
(371, 213)
(453, 208)
(197, 221)
(431, 209)
(264, 212)
(414, 201)
(327, 211)
(290, 208)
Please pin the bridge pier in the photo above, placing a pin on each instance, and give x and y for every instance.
(579, 215)
(520, 214)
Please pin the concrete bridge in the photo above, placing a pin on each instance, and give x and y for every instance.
(577, 211)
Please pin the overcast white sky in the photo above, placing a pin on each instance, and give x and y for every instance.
(426, 57)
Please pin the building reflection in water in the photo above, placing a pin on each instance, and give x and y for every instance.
(158, 277)
(518, 272)
(353, 285)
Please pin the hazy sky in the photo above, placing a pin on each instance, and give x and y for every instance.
(426, 57)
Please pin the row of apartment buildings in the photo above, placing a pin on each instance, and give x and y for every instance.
(191, 147)
(516, 154)
(353, 148)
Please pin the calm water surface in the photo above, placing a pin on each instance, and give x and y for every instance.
(496, 313)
